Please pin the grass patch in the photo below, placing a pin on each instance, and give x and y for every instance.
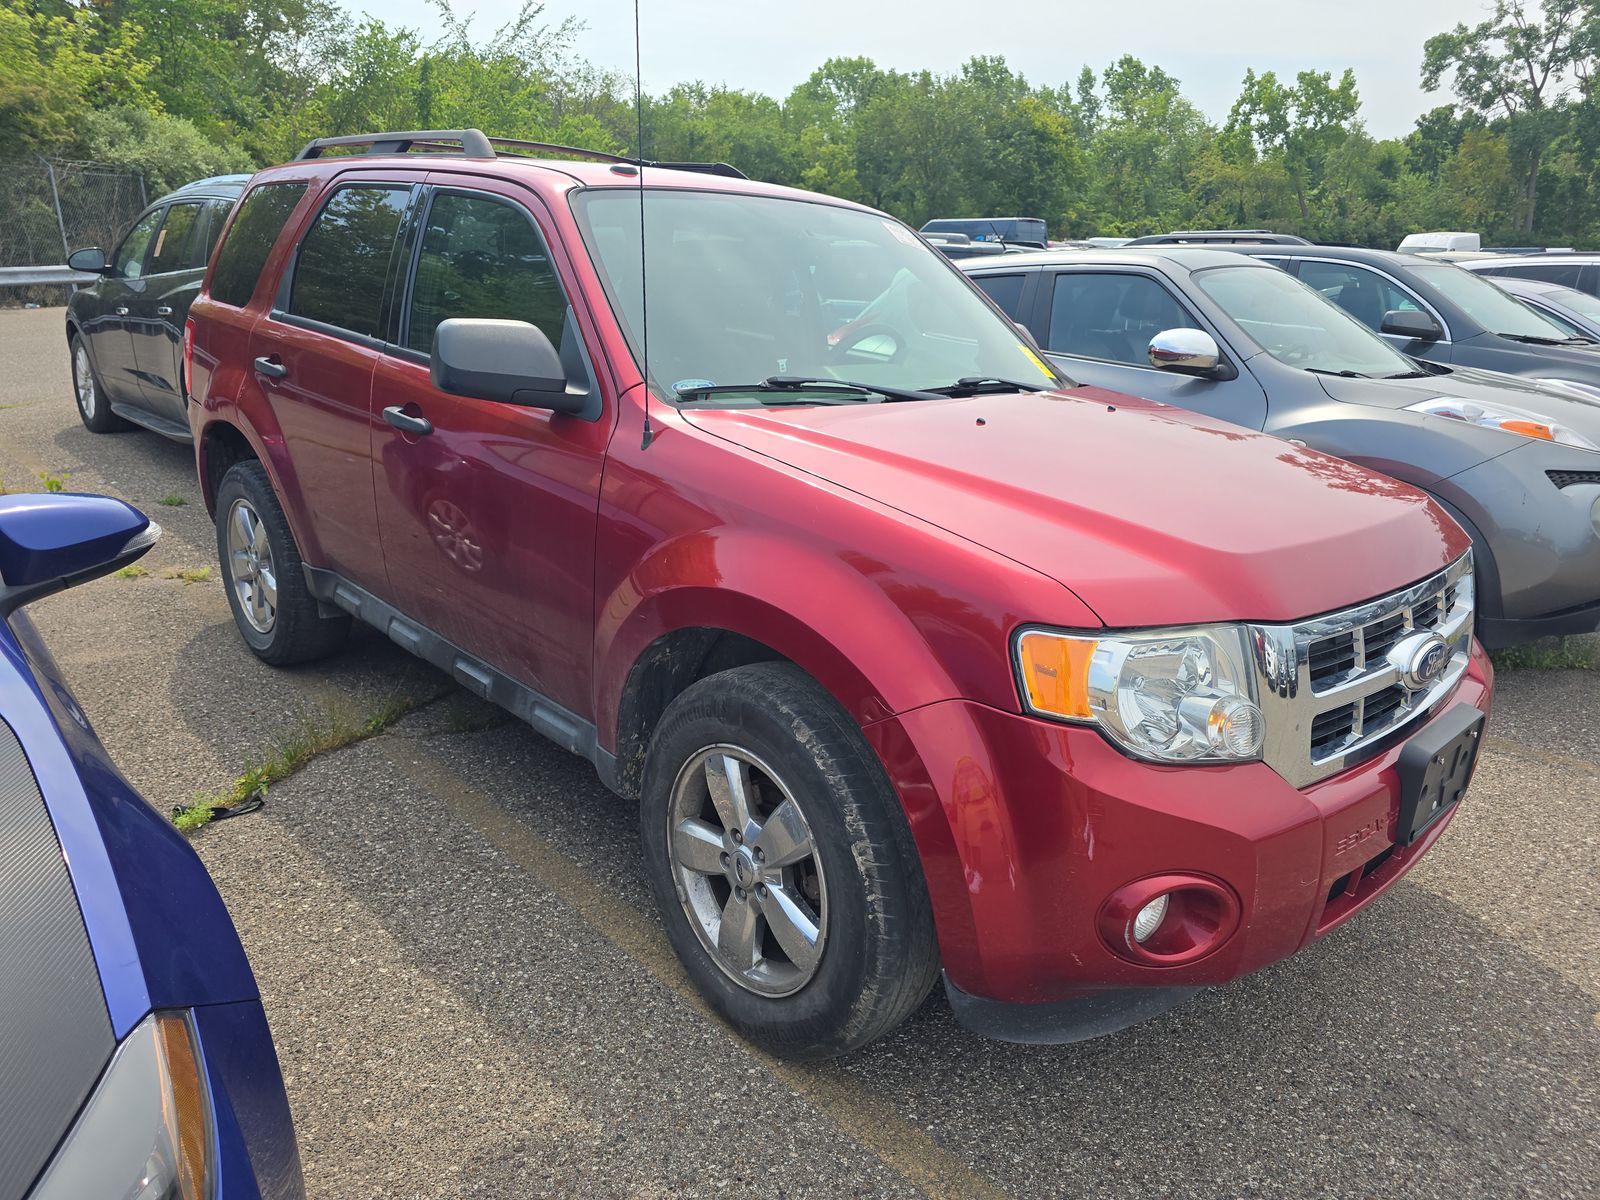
(54, 482)
(188, 574)
(333, 731)
(132, 572)
(174, 501)
(1551, 654)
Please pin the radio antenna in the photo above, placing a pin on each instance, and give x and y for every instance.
(644, 290)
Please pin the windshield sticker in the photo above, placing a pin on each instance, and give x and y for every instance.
(900, 232)
(1038, 362)
(693, 385)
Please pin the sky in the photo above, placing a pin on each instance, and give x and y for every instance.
(768, 47)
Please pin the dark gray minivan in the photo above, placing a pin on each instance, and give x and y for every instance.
(125, 331)
(1516, 464)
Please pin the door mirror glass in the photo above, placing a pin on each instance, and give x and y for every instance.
(1190, 351)
(49, 542)
(511, 362)
(91, 260)
(1411, 323)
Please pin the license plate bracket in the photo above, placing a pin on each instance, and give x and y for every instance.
(1435, 768)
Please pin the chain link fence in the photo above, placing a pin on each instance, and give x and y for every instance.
(51, 207)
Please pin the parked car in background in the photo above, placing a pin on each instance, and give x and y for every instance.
(1433, 243)
(1019, 231)
(135, 1053)
(1573, 269)
(959, 245)
(1209, 237)
(125, 332)
(917, 659)
(1443, 314)
(1578, 313)
(1224, 335)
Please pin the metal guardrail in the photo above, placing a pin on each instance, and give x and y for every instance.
(32, 276)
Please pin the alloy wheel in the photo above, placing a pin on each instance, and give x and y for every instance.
(250, 566)
(83, 381)
(747, 870)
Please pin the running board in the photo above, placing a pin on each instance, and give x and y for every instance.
(146, 419)
(562, 726)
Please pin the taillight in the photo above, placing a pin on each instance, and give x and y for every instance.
(188, 353)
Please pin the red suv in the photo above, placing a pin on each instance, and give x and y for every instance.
(917, 655)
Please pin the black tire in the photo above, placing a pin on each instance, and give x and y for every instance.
(879, 957)
(94, 410)
(297, 631)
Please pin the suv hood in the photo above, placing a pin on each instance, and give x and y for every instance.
(1578, 413)
(1151, 515)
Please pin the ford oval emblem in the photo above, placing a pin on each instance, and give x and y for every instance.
(1421, 660)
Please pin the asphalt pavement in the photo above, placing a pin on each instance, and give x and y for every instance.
(471, 994)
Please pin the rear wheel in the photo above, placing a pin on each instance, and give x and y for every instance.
(782, 864)
(276, 613)
(93, 409)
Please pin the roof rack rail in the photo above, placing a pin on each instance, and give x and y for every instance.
(473, 143)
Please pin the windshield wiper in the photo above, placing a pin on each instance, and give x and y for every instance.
(1531, 340)
(1408, 375)
(1345, 374)
(868, 393)
(973, 385)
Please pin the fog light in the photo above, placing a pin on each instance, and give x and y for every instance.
(1168, 920)
(1150, 918)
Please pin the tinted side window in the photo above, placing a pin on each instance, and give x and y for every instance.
(1362, 294)
(216, 216)
(1111, 316)
(1004, 290)
(261, 219)
(482, 258)
(171, 251)
(343, 264)
(131, 254)
(1564, 273)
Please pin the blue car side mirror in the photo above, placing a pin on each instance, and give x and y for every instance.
(51, 541)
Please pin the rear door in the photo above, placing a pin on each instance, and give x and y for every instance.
(1097, 323)
(312, 359)
(174, 267)
(488, 518)
(111, 332)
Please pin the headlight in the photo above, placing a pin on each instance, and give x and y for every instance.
(1168, 695)
(1502, 416)
(145, 1133)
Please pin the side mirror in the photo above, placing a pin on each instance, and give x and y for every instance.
(511, 362)
(91, 261)
(1187, 351)
(1411, 323)
(51, 541)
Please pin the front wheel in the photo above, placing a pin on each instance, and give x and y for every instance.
(276, 613)
(782, 864)
(93, 409)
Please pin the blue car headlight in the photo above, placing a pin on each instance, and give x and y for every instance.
(145, 1132)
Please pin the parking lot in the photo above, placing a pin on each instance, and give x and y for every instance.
(471, 995)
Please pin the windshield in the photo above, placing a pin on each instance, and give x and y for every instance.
(745, 288)
(1581, 303)
(1497, 311)
(1299, 326)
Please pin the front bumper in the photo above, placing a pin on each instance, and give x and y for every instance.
(1025, 827)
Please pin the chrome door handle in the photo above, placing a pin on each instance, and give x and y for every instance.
(271, 368)
(406, 423)
(122, 310)
(164, 311)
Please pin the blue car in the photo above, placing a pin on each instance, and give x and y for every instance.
(135, 1059)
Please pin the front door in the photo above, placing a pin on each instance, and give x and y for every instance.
(313, 357)
(1368, 296)
(174, 267)
(488, 518)
(110, 332)
(1097, 325)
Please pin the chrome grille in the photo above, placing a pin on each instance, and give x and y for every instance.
(1334, 686)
